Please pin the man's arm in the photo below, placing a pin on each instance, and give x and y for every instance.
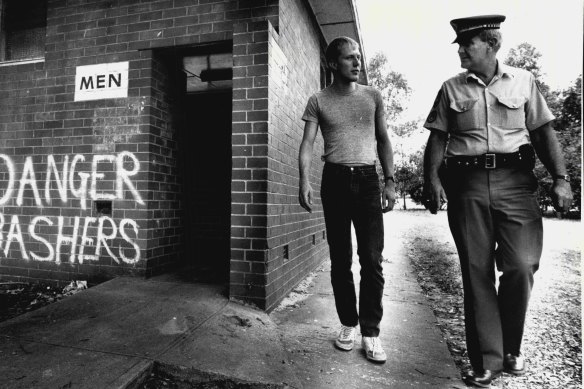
(385, 153)
(548, 150)
(305, 194)
(434, 193)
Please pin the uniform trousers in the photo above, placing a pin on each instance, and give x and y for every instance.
(495, 220)
(352, 194)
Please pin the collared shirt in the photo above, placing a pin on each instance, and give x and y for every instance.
(494, 118)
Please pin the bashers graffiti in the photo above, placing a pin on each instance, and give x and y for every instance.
(78, 179)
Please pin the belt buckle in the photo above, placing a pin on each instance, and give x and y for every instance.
(490, 161)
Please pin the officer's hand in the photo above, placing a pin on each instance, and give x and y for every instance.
(434, 196)
(305, 196)
(388, 196)
(562, 195)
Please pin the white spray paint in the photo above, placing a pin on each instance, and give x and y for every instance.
(72, 183)
(67, 240)
(33, 234)
(10, 187)
(28, 178)
(60, 180)
(95, 176)
(80, 193)
(123, 176)
(15, 233)
(87, 241)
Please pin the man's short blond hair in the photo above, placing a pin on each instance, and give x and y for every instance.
(333, 50)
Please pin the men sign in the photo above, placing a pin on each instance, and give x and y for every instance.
(102, 81)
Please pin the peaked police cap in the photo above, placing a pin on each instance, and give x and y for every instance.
(472, 25)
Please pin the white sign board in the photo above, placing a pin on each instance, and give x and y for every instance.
(102, 81)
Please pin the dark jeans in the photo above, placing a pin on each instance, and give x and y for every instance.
(352, 194)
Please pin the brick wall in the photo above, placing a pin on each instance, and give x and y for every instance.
(164, 224)
(82, 222)
(296, 241)
(39, 120)
(275, 243)
(250, 162)
(124, 211)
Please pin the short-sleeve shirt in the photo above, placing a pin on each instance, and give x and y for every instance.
(347, 123)
(494, 118)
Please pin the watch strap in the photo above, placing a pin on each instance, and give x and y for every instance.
(564, 177)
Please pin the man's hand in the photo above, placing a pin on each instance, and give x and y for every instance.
(562, 196)
(388, 196)
(434, 195)
(305, 196)
(549, 151)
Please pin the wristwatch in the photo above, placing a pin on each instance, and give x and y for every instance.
(564, 177)
(389, 178)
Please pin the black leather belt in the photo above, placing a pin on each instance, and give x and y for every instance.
(347, 168)
(524, 158)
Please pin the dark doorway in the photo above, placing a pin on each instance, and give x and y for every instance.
(206, 143)
(205, 152)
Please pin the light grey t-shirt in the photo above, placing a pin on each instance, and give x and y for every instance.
(347, 123)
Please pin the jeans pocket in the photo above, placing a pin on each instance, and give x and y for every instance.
(371, 188)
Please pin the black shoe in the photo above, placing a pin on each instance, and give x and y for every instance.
(482, 380)
(514, 364)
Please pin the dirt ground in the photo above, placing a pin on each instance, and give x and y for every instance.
(552, 340)
(17, 298)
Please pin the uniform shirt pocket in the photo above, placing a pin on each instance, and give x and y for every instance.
(465, 114)
(510, 111)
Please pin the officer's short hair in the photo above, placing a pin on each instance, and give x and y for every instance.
(333, 50)
(492, 37)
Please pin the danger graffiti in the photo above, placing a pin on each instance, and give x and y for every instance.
(71, 239)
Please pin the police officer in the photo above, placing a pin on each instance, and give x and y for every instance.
(479, 157)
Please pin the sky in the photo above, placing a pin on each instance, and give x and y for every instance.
(416, 37)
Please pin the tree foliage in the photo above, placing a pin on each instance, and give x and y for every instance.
(409, 175)
(565, 105)
(569, 131)
(395, 91)
(393, 85)
(525, 56)
(403, 130)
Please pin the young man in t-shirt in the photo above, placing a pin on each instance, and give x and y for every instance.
(352, 122)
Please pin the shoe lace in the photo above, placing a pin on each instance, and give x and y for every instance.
(346, 331)
(376, 345)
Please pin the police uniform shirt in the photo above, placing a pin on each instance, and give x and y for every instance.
(488, 119)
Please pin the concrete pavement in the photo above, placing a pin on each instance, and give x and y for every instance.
(114, 334)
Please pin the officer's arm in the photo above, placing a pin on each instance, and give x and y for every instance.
(305, 195)
(385, 153)
(434, 154)
(548, 150)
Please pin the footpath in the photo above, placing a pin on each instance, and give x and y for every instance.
(116, 334)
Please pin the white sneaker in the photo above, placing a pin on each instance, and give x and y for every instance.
(346, 338)
(373, 349)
